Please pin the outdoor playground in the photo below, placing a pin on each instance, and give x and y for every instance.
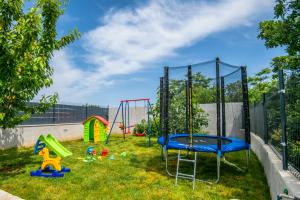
(140, 175)
(178, 138)
(173, 126)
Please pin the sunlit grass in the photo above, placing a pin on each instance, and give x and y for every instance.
(141, 175)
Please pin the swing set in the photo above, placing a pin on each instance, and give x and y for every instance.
(126, 123)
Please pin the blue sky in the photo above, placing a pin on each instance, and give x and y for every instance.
(126, 43)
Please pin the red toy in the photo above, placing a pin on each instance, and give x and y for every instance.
(140, 134)
(104, 152)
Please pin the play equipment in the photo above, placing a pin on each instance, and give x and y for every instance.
(95, 129)
(51, 167)
(123, 154)
(126, 123)
(140, 134)
(47, 161)
(186, 94)
(104, 152)
(112, 157)
(90, 154)
(91, 151)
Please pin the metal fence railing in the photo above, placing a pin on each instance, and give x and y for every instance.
(292, 107)
(61, 113)
(276, 119)
(257, 119)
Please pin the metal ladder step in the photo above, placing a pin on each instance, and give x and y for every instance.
(186, 160)
(183, 175)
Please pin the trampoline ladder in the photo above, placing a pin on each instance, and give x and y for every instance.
(183, 175)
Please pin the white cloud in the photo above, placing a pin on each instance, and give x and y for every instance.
(130, 39)
(72, 83)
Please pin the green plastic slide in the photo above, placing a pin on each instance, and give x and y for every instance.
(53, 144)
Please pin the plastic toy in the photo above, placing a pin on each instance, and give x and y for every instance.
(51, 167)
(91, 151)
(112, 157)
(55, 162)
(123, 154)
(95, 129)
(90, 154)
(104, 152)
(50, 173)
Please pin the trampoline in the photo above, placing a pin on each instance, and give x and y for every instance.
(211, 98)
(203, 143)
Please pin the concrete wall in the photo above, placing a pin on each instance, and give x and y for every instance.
(136, 116)
(28, 135)
(278, 179)
(233, 118)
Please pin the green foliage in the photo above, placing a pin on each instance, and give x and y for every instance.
(27, 42)
(203, 92)
(177, 106)
(261, 83)
(142, 127)
(234, 92)
(284, 31)
(292, 97)
(203, 89)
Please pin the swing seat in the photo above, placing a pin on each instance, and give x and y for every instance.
(140, 134)
(128, 131)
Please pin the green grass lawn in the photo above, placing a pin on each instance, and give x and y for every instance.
(141, 175)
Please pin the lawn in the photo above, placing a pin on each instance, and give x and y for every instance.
(141, 175)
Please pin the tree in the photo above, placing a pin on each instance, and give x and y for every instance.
(202, 93)
(27, 42)
(284, 31)
(261, 83)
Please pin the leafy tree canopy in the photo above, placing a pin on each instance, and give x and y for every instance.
(284, 31)
(27, 42)
(261, 83)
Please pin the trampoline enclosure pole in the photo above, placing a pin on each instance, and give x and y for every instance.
(166, 105)
(218, 102)
(246, 104)
(187, 107)
(190, 126)
(161, 93)
(223, 107)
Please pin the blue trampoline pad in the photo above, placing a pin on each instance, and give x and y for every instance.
(204, 143)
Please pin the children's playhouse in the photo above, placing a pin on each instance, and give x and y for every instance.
(95, 129)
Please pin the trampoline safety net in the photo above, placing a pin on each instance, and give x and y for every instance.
(206, 98)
